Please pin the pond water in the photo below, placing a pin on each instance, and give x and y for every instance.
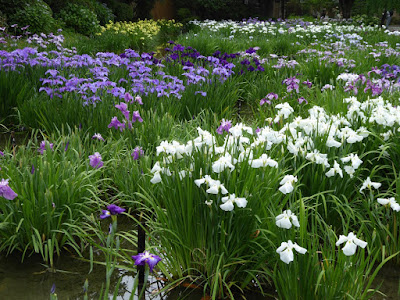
(32, 280)
(389, 280)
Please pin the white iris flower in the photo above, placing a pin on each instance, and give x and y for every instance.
(286, 251)
(286, 219)
(351, 243)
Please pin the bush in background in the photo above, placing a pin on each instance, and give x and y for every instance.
(104, 14)
(122, 11)
(218, 10)
(38, 15)
(10, 7)
(80, 18)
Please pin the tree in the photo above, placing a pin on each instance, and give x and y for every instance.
(372, 7)
(345, 7)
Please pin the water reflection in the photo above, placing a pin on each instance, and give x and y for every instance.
(32, 280)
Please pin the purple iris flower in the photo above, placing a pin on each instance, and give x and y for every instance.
(6, 191)
(95, 160)
(116, 124)
(201, 92)
(308, 83)
(33, 169)
(137, 152)
(301, 100)
(146, 258)
(66, 146)
(1, 153)
(97, 136)
(127, 97)
(136, 117)
(111, 210)
(124, 109)
(42, 147)
(52, 73)
(53, 289)
(268, 98)
(292, 83)
(251, 50)
(138, 99)
(225, 126)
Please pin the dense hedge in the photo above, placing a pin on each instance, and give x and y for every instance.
(82, 16)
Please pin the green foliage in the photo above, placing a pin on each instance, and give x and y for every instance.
(10, 7)
(210, 9)
(104, 14)
(143, 8)
(53, 191)
(37, 15)
(366, 19)
(121, 10)
(80, 18)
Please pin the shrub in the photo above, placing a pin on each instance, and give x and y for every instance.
(10, 7)
(367, 20)
(122, 11)
(3, 19)
(81, 19)
(104, 14)
(37, 15)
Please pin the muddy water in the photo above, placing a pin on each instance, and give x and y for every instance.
(31, 280)
(389, 281)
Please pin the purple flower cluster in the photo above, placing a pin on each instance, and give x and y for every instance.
(42, 147)
(387, 78)
(283, 63)
(123, 107)
(225, 126)
(292, 83)
(268, 98)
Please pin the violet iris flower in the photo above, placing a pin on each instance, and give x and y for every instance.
(301, 100)
(42, 147)
(146, 258)
(201, 92)
(6, 191)
(124, 109)
(292, 83)
(225, 126)
(268, 98)
(138, 99)
(136, 117)
(128, 97)
(111, 210)
(98, 137)
(308, 83)
(95, 160)
(116, 124)
(137, 152)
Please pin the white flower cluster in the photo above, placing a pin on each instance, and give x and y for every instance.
(297, 136)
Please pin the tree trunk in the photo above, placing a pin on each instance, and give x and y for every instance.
(282, 9)
(345, 7)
